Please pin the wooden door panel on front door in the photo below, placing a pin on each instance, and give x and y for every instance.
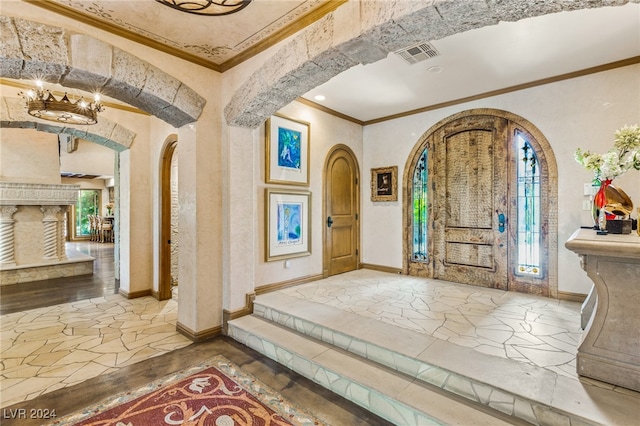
(471, 197)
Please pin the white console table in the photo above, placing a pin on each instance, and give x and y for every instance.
(610, 350)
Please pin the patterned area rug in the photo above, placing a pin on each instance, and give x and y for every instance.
(215, 393)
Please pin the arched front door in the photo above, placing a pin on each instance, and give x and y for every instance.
(480, 204)
(341, 212)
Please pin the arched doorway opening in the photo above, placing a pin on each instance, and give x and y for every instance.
(471, 216)
(80, 262)
(168, 219)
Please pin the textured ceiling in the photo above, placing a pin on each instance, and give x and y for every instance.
(217, 42)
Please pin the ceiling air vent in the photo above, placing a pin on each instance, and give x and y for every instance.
(418, 53)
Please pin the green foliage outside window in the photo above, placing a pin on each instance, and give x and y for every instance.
(88, 204)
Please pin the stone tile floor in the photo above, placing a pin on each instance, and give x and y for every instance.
(523, 344)
(51, 348)
(531, 329)
(54, 347)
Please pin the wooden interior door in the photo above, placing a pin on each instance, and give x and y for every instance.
(471, 201)
(341, 250)
(165, 282)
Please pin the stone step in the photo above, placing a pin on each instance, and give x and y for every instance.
(389, 394)
(525, 392)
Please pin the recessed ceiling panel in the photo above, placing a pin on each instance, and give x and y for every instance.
(216, 39)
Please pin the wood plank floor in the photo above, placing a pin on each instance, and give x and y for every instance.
(38, 294)
(331, 408)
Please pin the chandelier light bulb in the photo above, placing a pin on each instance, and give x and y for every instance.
(43, 104)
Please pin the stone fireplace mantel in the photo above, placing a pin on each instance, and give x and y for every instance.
(37, 194)
(33, 219)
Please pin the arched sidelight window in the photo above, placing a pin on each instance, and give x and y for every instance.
(420, 212)
(528, 204)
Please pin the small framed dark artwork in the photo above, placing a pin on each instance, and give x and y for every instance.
(384, 184)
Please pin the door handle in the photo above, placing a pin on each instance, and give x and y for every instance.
(502, 220)
(329, 222)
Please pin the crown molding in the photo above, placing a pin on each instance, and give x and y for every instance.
(264, 44)
(285, 32)
(121, 32)
(330, 111)
(580, 73)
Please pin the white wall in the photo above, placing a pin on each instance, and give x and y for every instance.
(40, 148)
(582, 112)
(90, 158)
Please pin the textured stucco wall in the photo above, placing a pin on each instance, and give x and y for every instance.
(41, 149)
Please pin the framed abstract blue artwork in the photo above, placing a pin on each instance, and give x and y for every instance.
(288, 232)
(287, 151)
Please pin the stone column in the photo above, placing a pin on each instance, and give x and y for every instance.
(7, 236)
(50, 222)
(62, 223)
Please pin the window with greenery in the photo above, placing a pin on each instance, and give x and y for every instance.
(529, 229)
(420, 214)
(88, 204)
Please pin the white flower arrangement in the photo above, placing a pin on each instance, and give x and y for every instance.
(624, 156)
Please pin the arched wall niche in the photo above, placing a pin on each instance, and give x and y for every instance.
(32, 50)
(327, 47)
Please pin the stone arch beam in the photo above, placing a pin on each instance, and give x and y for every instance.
(105, 132)
(30, 50)
(322, 50)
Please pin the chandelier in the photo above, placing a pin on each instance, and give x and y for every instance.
(207, 7)
(42, 104)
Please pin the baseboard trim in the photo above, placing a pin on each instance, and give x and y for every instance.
(228, 315)
(571, 297)
(381, 268)
(134, 294)
(200, 336)
(286, 284)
